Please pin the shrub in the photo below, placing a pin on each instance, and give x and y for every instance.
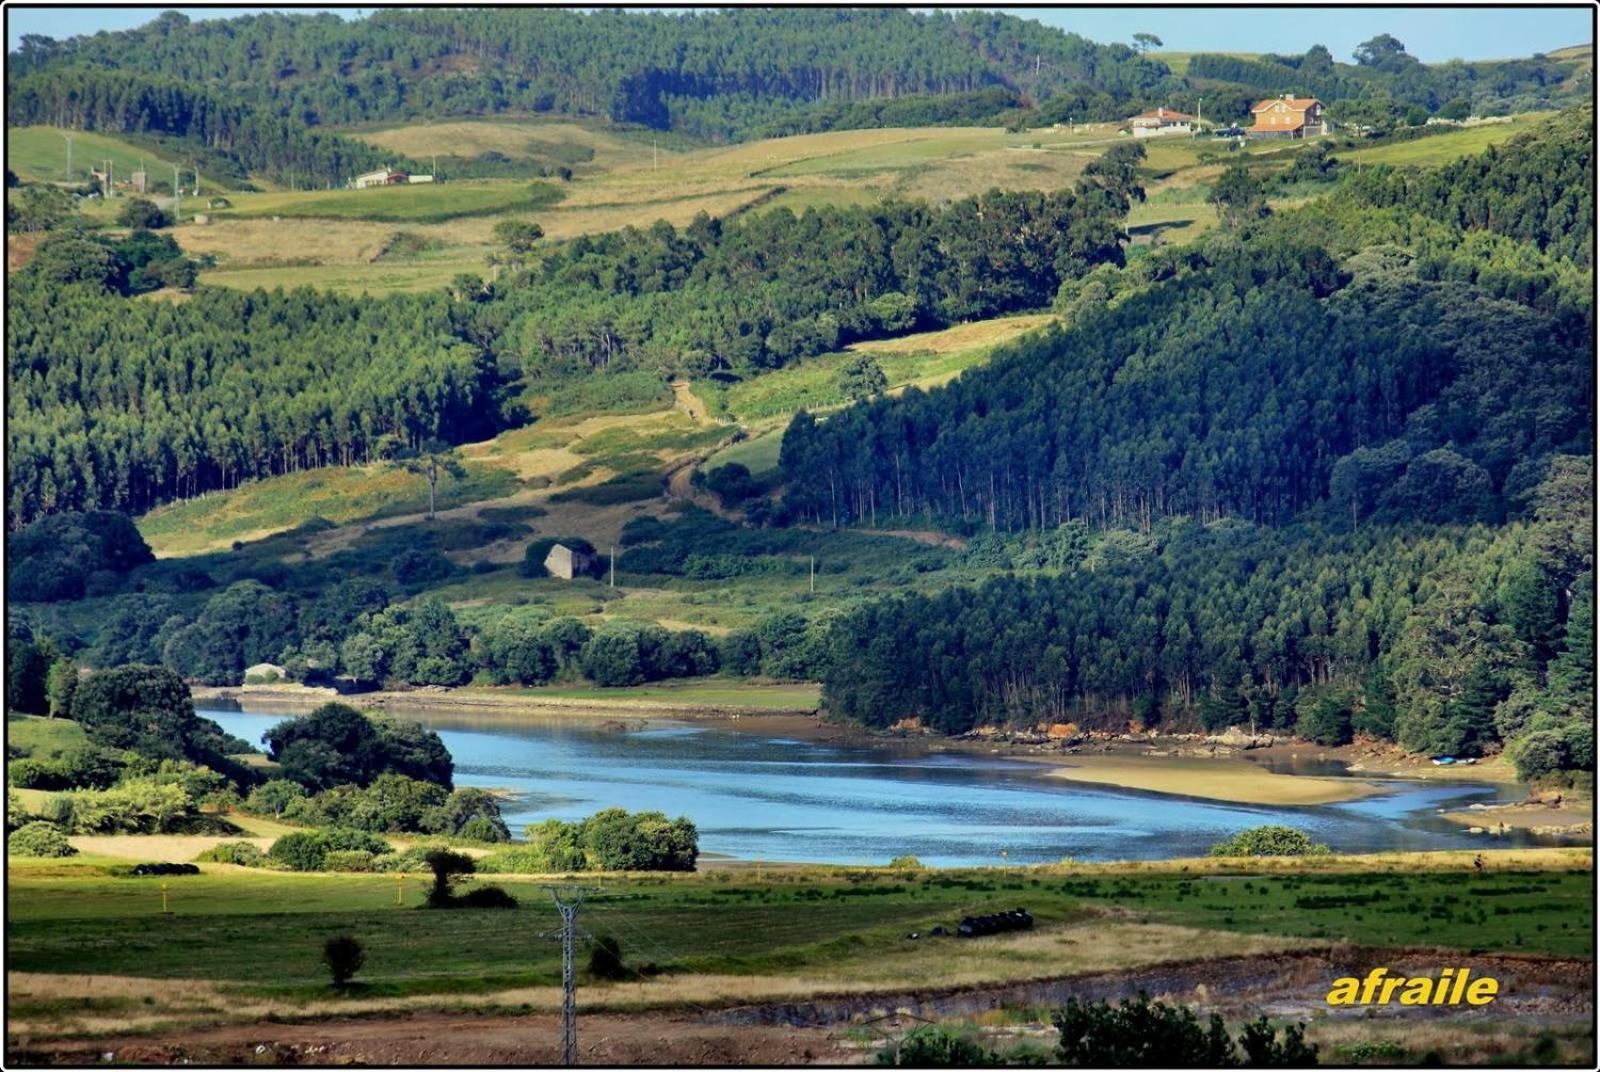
(1269, 840)
(906, 862)
(309, 850)
(300, 851)
(39, 839)
(936, 1045)
(485, 897)
(411, 860)
(605, 959)
(238, 853)
(344, 957)
(348, 860)
(1139, 1032)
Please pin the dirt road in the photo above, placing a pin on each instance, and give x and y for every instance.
(834, 1030)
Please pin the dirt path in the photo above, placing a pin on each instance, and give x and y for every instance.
(454, 1039)
(823, 1030)
(684, 398)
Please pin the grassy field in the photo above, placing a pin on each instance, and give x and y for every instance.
(1437, 149)
(422, 203)
(264, 930)
(923, 360)
(40, 154)
(42, 738)
(516, 137)
(258, 509)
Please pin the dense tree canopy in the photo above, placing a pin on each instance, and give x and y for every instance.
(121, 404)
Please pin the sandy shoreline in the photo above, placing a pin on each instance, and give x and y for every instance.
(1236, 781)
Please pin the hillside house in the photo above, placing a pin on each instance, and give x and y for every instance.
(1160, 121)
(381, 177)
(564, 562)
(1288, 117)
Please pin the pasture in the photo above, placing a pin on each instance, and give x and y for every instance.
(1436, 149)
(411, 203)
(39, 154)
(262, 931)
(922, 360)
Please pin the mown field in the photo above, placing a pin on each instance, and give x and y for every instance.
(265, 930)
(40, 154)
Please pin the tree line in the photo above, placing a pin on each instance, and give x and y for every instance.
(1237, 388)
(1256, 374)
(282, 147)
(1455, 640)
(716, 73)
(759, 292)
(125, 404)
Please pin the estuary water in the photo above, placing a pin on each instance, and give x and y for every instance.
(760, 797)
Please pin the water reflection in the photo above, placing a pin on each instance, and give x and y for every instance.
(775, 798)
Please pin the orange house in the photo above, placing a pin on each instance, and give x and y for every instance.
(1288, 117)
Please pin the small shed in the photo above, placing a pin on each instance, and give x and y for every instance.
(564, 562)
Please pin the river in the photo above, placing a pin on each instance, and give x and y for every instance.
(760, 797)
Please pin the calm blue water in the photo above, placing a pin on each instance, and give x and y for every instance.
(773, 798)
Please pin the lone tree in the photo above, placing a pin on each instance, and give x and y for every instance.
(519, 237)
(1239, 196)
(446, 865)
(344, 956)
(430, 459)
(1144, 42)
(141, 214)
(862, 378)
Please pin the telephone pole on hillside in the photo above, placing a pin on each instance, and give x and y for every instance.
(177, 196)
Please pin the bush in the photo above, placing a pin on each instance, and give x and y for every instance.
(1139, 1032)
(310, 850)
(1269, 840)
(344, 957)
(238, 853)
(605, 959)
(936, 1045)
(300, 851)
(484, 897)
(906, 862)
(39, 839)
(142, 213)
(348, 860)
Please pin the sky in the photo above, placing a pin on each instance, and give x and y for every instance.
(1430, 34)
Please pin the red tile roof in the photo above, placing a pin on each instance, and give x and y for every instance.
(1299, 104)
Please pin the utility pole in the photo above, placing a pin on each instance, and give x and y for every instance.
(813, 574)
(568, 900)
(613, 565)
(177, 196)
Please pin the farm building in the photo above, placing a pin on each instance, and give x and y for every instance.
(1288, 117)
(564, 562)
(1161, 121)
(381, 177)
